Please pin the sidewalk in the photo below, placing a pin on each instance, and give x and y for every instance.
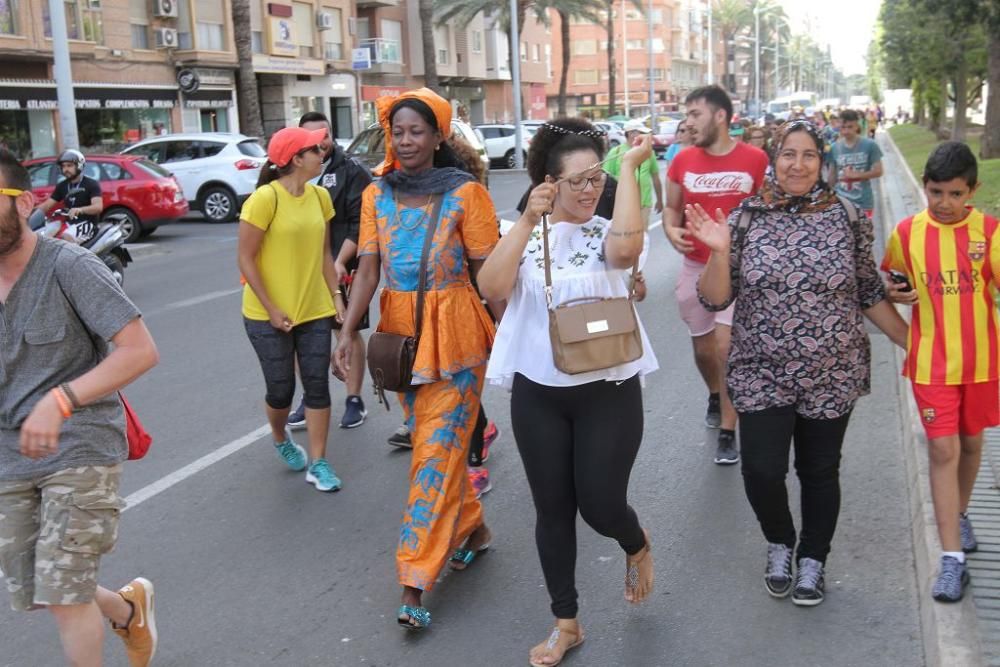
(966, 634)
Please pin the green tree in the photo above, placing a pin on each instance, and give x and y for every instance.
(731, 18)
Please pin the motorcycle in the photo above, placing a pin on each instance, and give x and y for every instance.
(108, 243)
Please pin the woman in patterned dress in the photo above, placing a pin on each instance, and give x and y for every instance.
(798, 261)
(443, 519)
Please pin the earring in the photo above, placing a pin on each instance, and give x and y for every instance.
(438, 147)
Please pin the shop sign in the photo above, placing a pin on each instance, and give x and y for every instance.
(44, 98)
(263, 64)
(188, 80)
(361, 58)
(282, 34)
(214, 77)
(209, 99)
(372, 93)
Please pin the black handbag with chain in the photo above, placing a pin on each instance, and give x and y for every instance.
(391, 356)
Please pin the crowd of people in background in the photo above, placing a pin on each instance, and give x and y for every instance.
(774, 223)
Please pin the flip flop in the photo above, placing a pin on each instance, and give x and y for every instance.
(465, 557)
(406, 616)
(551, 644)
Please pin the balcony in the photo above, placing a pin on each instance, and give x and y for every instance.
(370, 4)
(386, 55)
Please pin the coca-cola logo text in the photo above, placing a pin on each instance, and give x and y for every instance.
(719, 182)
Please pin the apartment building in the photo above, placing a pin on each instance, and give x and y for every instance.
(677, 62)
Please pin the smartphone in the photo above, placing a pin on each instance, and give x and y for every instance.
(901, 278)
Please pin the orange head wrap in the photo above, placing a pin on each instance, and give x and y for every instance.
(384, 105)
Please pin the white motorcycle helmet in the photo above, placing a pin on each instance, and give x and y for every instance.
(73, 156)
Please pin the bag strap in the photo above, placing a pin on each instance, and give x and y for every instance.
(424, 256)
(548, 266)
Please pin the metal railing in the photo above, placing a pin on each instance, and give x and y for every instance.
(383, 50)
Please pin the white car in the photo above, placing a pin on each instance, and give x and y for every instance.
(500, 142)
(614, 131)
(216, 170)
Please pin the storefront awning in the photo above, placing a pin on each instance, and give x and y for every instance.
(34, 95)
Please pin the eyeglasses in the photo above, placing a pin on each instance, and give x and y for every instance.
(579, 183)
(11, 192)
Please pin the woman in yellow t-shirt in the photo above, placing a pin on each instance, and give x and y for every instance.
(291, 294)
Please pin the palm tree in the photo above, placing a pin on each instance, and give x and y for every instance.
(731, 18)
(568, 10)
(246, 81)
(426, 10)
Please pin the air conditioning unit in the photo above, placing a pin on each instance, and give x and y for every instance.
(324, 20)
(166, 38)
(165, 9)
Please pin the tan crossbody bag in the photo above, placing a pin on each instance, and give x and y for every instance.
(591, 333)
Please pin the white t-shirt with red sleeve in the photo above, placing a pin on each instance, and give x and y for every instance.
(717, 181)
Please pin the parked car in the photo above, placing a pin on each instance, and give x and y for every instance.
(216, 170)
(369, 146)
(500, 143)
(665, 135)
(143, 193)
(614, 132)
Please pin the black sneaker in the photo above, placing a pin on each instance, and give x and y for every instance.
(726, 453)
(713, 417)
(297, 418)
(354, 413)
(809, 583)
(952, 579)
(778, 576)
(401, 438)
(969, 542)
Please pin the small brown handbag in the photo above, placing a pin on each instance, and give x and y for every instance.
(591, 333)
(391, 356)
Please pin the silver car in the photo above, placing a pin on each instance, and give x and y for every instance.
(216, 170)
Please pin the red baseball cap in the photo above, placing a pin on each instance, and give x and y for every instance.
(286, 143)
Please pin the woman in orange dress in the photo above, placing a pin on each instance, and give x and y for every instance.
(443, 519)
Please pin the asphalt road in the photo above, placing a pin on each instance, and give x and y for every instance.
(254, 567)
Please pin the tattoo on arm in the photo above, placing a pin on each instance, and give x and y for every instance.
(613, 232)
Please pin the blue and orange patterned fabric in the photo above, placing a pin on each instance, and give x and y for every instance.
(457, 331)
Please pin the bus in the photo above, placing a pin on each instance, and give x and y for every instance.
(782, 107)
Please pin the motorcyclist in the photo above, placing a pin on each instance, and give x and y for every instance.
(80, 194)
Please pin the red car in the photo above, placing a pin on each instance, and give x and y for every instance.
(146, 193)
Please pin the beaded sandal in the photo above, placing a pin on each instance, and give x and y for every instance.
(413, 618)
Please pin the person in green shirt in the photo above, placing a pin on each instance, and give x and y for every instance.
(648, 174)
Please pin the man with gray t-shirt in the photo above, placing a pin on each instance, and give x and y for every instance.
(62, 430)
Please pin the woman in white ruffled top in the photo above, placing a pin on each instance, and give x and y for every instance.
(578, 435)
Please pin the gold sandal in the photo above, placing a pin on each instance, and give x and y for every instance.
(553, 641)
(632, 572)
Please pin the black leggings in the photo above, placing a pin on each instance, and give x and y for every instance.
(578, 445)
(765, 439)
(277, 351)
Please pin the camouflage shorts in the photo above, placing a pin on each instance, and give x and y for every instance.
(53, 532)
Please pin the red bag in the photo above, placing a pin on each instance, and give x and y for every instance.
(138, 438)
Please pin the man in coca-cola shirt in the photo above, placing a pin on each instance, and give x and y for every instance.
(718, 173)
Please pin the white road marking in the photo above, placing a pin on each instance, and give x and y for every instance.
(194, 301)
(656, 224)
(159, 486)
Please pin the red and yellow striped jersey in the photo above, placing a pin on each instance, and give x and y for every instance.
(954, 333)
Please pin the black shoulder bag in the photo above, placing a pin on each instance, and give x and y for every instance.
(391, 356)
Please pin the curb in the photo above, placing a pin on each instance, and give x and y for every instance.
(951, 633)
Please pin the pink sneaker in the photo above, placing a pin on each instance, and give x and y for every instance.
(480, 480)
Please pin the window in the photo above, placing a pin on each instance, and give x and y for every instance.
(111, 171)
(477, 40)
(179, 151)
(585, 47)
(392, 40)
(138, 18)
(536, 53)
(302, 15)
(585, 77)
(41, 174)
(442, 39)
(211, 148)
(489, 132)
(184, 35)
(333, 39)
(251, 148)
(524, 51)
(211, 25)
(257, 41)
(8, 17)
(84, 20)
